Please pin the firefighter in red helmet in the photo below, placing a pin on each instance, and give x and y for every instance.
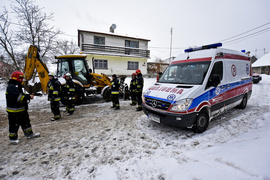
(133, 89)
(17, 106)
(139, 86)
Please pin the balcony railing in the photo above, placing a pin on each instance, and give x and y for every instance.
(112, 50)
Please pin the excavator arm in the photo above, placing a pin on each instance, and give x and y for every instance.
(33, 61)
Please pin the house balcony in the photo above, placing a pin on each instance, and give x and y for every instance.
(115, 51)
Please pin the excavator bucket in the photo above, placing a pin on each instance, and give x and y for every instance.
(32, 89)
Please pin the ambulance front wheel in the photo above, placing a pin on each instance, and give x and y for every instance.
(201, 122)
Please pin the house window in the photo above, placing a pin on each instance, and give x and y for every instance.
(132, 44)
(99, 40)
(133, 65)
(101, 64)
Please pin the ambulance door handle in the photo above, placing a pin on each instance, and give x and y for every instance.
(228, 86)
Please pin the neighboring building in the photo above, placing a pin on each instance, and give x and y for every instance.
(262, 65)
(114, 54)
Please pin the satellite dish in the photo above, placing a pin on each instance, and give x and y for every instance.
(112, 28)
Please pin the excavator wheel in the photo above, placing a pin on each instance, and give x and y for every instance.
(107, 96)
(79, 95)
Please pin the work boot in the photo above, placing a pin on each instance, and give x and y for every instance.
(15, 142)
(33, 135)
(139, 109)
(117, 108)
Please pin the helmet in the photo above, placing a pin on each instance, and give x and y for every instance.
(67, 74)
(138, 71)
(134, 74)
(51, 74)
(17, 75)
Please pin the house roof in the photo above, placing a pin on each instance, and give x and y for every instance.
(111, 34)
(263, 61)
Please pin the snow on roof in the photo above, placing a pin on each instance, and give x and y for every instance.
(263, 61)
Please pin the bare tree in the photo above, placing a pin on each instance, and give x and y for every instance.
(34, 27)
(7, 41)
(67, 47)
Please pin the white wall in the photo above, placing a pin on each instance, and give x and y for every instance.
(118, 65)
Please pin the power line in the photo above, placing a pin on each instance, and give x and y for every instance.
(247, 37)
(245, 32)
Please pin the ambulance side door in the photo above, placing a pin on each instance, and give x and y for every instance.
(215, 86)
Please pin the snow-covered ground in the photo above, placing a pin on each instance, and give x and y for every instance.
(100, 143)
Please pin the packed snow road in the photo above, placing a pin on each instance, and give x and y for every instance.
(98, 142)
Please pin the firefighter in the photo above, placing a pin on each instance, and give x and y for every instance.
(139, 89)
(54, 87)
(17, 106)
(115, 92)
(133, 89)
(69, 94)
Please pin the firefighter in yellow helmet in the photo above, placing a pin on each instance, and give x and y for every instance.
(54, 87)
(69, 94)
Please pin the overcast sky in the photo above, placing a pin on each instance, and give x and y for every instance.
(194, 22)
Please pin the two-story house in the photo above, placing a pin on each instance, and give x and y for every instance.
(111, 54)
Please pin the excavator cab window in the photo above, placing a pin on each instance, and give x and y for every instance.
(80, 72)
(63, 68)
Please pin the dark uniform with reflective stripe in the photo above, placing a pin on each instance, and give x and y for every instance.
(17, 110)
(54, 97)
(69, 95)
(115, 92)
(133, 91)
(139, 83)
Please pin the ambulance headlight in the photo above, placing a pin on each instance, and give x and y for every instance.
(182, 105)
(143, 98)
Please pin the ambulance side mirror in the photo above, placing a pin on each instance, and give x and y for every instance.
(214, 80)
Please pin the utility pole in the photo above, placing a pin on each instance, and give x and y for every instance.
(171, 47)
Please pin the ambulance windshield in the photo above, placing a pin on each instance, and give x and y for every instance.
(185, 73)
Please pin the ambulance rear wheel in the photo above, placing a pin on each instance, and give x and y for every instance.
(243, 104)
(201, 122)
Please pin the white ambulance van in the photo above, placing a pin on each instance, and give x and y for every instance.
(199, 85)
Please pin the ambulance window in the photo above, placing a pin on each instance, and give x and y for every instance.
(217, 70)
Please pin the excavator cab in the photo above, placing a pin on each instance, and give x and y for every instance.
(77, 66)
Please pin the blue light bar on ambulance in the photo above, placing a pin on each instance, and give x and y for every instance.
(209, 46)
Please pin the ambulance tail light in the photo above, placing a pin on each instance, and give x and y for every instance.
(209, 46)
(182, 105)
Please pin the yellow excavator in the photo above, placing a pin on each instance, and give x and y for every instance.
(86, 81)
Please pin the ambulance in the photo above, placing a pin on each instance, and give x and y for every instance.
(199, 85)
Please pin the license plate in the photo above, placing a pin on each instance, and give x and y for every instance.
(154, 118)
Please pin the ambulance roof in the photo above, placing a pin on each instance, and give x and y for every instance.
(209, 54)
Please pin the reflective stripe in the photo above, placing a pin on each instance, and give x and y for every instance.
(57, 99)
(115, 92)
(27, 130)
(139, 86)
(6, 92)
(55, 92)
(69, 109)
(67, 86)
(51, 88)
(72, 89)
(13, 134)
(57, 116)
(20, 98)
(15, 109)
